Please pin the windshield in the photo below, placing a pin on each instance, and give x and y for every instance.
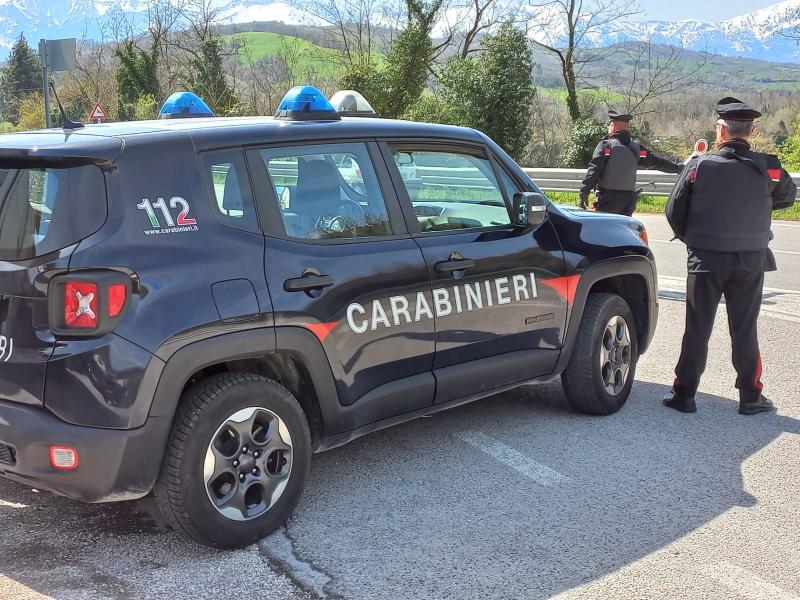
(44, 210)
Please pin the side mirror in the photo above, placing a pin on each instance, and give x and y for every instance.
(530, 209)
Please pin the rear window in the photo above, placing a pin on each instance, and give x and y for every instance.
(44, 210)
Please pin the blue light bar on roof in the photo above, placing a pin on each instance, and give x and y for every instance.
(181, 105)
(306, 103)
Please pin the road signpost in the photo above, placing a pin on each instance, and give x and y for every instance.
(98, 113)
(55, 56)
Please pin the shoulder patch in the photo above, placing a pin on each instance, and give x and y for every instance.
(643, 153)
(693, 175)
(607, 150)
(774, 174)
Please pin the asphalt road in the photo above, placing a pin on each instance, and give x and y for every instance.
(509, 497)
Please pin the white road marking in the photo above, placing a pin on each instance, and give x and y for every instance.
(678, 242)
(743, 582)
(541, 474)
(784, 224)
(778, 303)
(682, 282)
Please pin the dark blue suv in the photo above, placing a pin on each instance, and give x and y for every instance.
(192, 307)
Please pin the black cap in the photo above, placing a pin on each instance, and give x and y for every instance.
(735, 110)
(615, 116)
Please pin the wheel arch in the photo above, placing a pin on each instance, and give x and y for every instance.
(633, 278)
(292, 356)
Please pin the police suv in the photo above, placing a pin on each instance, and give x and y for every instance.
(192, 307)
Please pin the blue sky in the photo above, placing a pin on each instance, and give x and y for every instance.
(711, 10)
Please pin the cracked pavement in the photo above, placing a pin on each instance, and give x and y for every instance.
(512, 496)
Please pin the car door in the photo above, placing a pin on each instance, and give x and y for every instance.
(498, 306)
(341, 264)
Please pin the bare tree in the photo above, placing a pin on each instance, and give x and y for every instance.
(465, 22)
(354, 25)
(565, 28)
(655, 72)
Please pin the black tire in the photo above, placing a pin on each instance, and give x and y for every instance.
(583, 379)
(205, 408)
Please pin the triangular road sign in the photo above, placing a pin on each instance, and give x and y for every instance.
(98, 112)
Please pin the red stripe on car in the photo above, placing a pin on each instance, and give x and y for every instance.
(565, 286)
(321, 330)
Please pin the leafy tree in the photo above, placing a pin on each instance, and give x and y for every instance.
(208, 80)
(409, 59)
(493, 93)
(789, 151)
(584, 136)
(145, 108)
(21, 77)
(136, 77)
(31, 112)
(394, 87)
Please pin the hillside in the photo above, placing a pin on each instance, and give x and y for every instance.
(299, 55)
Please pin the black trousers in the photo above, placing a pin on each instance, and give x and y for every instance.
(615, 201)
(742, 290)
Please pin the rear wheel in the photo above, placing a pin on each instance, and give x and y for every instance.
(237, 460)
(600, 374)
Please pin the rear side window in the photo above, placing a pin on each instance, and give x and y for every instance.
(44, 210)
(230, 183)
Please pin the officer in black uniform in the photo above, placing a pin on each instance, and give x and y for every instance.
(721, 208)
(612, 169)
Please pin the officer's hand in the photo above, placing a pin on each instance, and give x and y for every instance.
(584, 203)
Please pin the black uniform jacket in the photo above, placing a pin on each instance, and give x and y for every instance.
(647, 160)
(706, 260)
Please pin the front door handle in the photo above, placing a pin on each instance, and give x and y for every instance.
(308, 281)
(455, 264)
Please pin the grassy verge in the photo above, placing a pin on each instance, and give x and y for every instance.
(657, 204)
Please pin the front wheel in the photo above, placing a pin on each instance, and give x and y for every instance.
(600, 374)
(237, 460)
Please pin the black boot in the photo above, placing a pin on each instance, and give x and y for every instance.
(753, 408)
(684, 404)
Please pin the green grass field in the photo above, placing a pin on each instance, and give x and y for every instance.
(657, 204)
(304, 56)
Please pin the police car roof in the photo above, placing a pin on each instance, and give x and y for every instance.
(214, 132)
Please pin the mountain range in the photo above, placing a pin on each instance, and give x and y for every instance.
(763, 34)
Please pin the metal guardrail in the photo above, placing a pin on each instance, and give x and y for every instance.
(653, 183)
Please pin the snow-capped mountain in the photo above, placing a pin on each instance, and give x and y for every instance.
(761, 34)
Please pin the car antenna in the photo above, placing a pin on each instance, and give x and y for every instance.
(66, 122)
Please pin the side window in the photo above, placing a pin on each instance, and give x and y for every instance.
(451, 191)
(230, 183)
(327, 191)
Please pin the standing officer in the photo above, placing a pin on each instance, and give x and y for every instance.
(721, 208)
(612, 169)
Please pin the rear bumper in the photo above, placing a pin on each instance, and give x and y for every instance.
(114, 464)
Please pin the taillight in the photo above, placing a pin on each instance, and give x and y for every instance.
(116, 299)
(80, 305)
(88, 303)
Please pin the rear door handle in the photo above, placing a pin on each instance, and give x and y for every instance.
(310, 280)
(450, 266)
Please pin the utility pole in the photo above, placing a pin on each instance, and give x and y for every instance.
(45, 82)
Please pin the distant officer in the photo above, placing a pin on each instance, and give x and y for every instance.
(612, 169)
(721, 208)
